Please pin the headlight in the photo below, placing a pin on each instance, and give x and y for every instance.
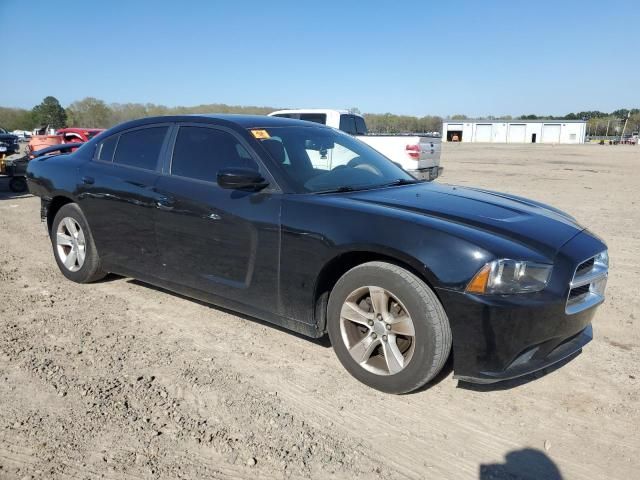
(510, 276)
(602, 259)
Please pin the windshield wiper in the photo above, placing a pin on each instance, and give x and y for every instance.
(402, 181)
(349, 188)
(342, 188)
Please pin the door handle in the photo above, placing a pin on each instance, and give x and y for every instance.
(164, 204)
(88, 180)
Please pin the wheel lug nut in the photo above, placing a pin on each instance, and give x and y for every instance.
(384, 338)
(370, 322)
(379, 317)
(374, 335)
(388, 326)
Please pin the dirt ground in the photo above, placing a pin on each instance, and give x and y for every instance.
(120, 380)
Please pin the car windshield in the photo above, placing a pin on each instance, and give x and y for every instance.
(319, 159)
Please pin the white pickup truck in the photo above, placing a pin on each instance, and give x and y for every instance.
(417, 154)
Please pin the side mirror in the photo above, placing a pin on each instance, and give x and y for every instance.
(241, 179)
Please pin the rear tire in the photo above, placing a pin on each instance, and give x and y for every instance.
(18, 184)
(387, 327)
(73, 246)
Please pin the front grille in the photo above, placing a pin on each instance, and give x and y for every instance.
(576, 292)
(587, 286)
(584, 267)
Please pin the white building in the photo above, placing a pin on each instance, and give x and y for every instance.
(514, 131)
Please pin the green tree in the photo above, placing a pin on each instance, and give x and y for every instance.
(123, 112)
(634, 122)
(16, 119)
(90, 113)
(620, 113)
(430, 123)
(51, 113)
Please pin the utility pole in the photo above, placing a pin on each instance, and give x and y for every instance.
(625, 125)
(607, 133)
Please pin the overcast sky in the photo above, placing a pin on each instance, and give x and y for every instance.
(413, 57)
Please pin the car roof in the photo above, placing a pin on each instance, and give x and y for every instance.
(243, 121)
(313, 110)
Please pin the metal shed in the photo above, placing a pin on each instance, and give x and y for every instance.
(514, 131)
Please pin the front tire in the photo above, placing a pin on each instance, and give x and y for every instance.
(73, 246)
(387, 327)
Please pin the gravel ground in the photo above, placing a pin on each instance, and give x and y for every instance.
(121, 380)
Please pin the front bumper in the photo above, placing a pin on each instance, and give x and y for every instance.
(535, 359)
(500, 337)
(429, 174)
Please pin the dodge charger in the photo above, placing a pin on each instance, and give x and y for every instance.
(306, 227)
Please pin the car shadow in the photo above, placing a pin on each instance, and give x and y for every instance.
(12, 195)
(525, 464)
(111, 277)
(325, 342)
(322, 341)
(443, 374)
(516, 382)
(7, 194)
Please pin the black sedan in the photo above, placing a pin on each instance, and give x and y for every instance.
(8, 143)
(306, 227)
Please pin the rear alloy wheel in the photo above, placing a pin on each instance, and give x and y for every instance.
(387, 327)
(73, 246)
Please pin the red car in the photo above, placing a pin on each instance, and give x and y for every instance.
(62, 136)
(78, 135)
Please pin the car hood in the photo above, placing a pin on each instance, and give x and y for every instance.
(7, 136)
(515, 218)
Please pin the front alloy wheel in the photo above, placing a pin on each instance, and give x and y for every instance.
(377, 330)
(387, 327)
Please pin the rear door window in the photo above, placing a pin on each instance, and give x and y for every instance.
(200, 153)
(314, 117)
(106, 149)
(348, 124)
(140, 148)
(361, 126)
(320, 118)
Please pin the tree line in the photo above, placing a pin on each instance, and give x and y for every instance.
(92, 112)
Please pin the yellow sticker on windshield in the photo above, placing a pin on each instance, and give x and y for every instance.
(260, 134)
